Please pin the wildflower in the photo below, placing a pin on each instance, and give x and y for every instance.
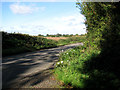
(67, 60)
(61, 61)
(67, 53)
(58, 63)
(62, 50)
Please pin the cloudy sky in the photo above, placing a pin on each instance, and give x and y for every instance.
(50, 17)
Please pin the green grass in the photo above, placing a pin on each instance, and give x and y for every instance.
(71, 40)
(70, 70)
(85, 67)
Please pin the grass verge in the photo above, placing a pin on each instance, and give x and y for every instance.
(87, 67)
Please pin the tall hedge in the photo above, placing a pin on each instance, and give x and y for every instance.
(103, 27)
(102, 22)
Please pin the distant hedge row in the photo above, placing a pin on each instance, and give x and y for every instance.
(22, 42)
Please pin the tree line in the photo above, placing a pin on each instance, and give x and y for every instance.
(60, 35)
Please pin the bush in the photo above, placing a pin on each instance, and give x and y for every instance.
(18, 43)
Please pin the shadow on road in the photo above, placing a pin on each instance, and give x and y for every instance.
(29, 68)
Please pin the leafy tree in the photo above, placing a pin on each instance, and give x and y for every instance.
(47, 35)
(40, 35)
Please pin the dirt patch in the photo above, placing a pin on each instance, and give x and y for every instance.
(56, 38)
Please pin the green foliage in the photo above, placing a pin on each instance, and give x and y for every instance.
(40, 35)
(17, 43)
(13, 43)
(97, 63)
(71, 40)
(70, 67)
(102, 21)
(86, 67)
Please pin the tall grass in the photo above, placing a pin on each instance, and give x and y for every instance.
(71, 70)
(87, 67)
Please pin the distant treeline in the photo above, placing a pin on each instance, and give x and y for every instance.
(59, 35)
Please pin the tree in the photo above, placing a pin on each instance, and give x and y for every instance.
(40, 35)
(47, 35)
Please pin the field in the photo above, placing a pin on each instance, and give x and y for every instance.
(56, 38)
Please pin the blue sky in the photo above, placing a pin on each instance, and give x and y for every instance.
(42, 18)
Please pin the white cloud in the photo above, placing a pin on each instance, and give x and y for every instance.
(71, 20)
(18, 8)
(72, 24)
(31, 29)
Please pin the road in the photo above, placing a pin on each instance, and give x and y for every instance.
(30, 69)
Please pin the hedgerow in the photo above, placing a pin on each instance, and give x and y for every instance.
(96, 64)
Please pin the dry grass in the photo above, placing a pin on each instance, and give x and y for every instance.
(56, 38)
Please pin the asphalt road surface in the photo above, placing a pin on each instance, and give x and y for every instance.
(31, 70)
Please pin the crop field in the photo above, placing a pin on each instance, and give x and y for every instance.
(56, 38)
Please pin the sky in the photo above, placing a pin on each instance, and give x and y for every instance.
(33, 18)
